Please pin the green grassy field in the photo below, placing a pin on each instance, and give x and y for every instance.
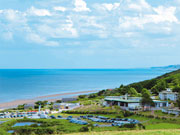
(160, 114)
(135, 132)
(149, 123)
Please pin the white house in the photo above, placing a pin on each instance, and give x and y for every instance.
(168, 94)
(174, 111)
(131, 103)
(65, 106)
(125, 102)
(159, 104)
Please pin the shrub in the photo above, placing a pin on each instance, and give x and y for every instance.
(82, 96)
(150, 116)
(141, 126)
(128, 126)
(157, 117)
(84, 129)
(119, 116)
(128, 113)
(164, 118)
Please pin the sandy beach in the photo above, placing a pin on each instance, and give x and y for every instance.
(52, 98)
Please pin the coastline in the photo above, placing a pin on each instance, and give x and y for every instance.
(53, 98)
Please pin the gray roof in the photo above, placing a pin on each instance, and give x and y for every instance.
(168, 92)
(120, 99)
(68, 99)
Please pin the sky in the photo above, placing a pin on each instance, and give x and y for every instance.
(89, 33)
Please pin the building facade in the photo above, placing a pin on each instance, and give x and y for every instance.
(131, 103)
(124, 102)
(65, 106)
(168, 95)
(28, 106)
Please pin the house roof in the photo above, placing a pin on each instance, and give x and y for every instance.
(159, 101)
(128, 100)
(68, 99)
(168, 92)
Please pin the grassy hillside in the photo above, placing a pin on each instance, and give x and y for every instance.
(168, 80)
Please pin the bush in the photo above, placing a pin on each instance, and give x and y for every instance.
(150, 116)
(82, 96)
(119, 116)
(141, 126)
(128, 126)
(164, 118)
(84, 129)
(127, 113)
(92, 95)
(157, 117)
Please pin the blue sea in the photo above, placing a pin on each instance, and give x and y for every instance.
(29, 83)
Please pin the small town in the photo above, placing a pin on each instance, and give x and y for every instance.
(110, 111)
(89, 67)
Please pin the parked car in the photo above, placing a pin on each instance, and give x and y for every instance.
(69, 117)
(95, 125)
(59, 116)
(52, 117)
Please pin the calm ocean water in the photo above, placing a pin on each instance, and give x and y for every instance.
(30, 83)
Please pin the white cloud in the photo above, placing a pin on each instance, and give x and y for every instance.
(109, 6)
(139, 5)
(80, 6)
(69, 27)
(62, 9)
(14, 16)
(35, 38)
(58, 29)
(39, 12)
(116, 21)
(163, 15)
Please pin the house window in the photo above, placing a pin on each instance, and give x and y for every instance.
(164, 104)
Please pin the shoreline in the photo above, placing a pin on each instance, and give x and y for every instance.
(15, 103)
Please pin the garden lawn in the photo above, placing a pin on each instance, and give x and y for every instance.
(159, 113)
(163, 126)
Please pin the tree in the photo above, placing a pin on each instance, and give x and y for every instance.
(146, 99)
(42, 103)
(175, 81)
(132, 92)
(137, 86)
(81, 96)
(93, 95)
(58, 101)
(100, 93)
(144, 90)
(124, 90)
(121, 86)
(176, 88)
(178, 100)
(159, 87)
(21, 107)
